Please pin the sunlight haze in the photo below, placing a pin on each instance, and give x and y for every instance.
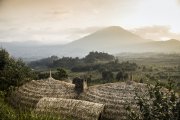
(63, 21)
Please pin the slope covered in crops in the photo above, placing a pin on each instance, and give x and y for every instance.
(30, 93)
(115, 97)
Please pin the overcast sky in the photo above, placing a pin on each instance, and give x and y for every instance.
(61, 21)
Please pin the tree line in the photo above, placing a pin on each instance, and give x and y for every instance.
(69, 62)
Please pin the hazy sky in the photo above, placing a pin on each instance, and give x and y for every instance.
(61, 21)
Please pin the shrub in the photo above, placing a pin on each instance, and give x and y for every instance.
(157, 104)
(12, 72)
(107, 75)
(61, 74)
(122, 76)
(119, 75)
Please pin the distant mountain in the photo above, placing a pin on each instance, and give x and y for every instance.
(111, 39)
(108, 37)
(118, 40)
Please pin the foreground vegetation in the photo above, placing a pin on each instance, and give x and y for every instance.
(13, 72)
(96, 68)
(156, 104)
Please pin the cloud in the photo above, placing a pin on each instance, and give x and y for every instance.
(61, 21)
(178, 2)
(156, 32)
(44, 35)
(66, 9)
(55, 21)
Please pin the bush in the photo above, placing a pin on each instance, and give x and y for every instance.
(61, 74)
(107, 75)
(156, 104)
(12, 72)
(122, 76)
(42, 76)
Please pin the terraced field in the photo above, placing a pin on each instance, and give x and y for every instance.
(115, 96)
(70, 108)
(52, 96)
(30, 93)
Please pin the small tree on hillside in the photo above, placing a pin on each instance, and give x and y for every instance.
(107, 75)
(119, 76)
(126, 76)
(122, 76)
(4, 58)
(61, 74)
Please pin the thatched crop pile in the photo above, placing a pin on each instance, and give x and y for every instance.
(115, 96)
(30, 93)
(53, 96)
(76, 109)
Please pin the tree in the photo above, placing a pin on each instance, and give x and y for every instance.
(107, 75)
(4, 58)
(156, 104)
(12, 72)
(61, 74)
(125, 76)
(42, 75)
(93, 57)
(141, 81)
(43, 63)
(121, 75)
